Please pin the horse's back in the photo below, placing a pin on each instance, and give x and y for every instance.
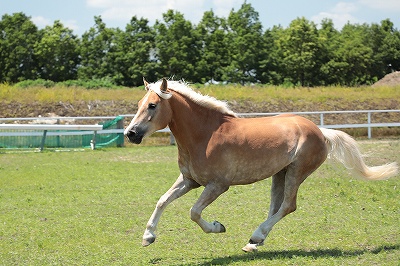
(284, 127)
(299, 133)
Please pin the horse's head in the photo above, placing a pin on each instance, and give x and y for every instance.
(154, 112)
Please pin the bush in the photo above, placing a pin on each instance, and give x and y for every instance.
(90, 84)
(35, 83)
(87, 84)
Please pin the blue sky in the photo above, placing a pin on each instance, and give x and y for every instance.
(78, 14)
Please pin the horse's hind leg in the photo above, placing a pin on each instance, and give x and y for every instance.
(277, 192)
(180, 187)
(291, 185)
(210, 193)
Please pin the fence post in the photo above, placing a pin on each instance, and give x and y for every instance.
(121, 139)
(58, 136)
(43, 140)
(93, 141)
(171, 139)
(321, 119)
(369, 125)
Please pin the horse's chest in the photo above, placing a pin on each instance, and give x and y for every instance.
(189, 170)
(196, 169)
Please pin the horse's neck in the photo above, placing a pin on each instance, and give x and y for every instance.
(192, 123)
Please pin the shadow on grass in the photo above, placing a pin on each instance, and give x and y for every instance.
(283, 254)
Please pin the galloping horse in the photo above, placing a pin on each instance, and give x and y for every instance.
(217, 149)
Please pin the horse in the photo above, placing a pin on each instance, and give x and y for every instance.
(217, 149)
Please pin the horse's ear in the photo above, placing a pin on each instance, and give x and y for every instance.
(164, 85)
(146, 84)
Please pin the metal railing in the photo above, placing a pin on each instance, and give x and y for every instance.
(369, 124)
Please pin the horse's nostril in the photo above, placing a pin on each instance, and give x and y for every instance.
(130, 133)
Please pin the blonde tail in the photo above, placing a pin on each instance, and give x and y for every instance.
(344, 149)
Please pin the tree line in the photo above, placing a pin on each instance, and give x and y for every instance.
(235, 49)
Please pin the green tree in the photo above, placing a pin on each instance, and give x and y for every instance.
(244, 39)
(57, 53)
(98, 52)
(214, 54)
(384, 41)
(177, 48)
(355, 55)
(332, 64)
(134, 59)
(300, 50)
(18, 36)
(270, 61)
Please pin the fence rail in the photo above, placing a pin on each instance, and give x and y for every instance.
(53, 123)
(369, 125)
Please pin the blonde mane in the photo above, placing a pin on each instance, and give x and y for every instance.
(203, 100)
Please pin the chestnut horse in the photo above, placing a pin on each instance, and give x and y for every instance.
(217, 149)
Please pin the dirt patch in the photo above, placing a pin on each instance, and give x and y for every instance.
(78, 108)
(392, 79)
(113, 108)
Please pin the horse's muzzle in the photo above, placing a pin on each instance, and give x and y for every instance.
(134, 136)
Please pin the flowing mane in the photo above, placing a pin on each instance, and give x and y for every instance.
(203, 100)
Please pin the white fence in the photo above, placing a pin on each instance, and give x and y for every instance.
(52, 123)
(322, 114)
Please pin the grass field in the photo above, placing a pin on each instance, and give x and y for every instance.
(255, 93)
(91, 207)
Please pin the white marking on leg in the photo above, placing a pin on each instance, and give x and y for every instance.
(179, 188)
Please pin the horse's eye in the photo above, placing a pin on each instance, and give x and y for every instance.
(152, 106)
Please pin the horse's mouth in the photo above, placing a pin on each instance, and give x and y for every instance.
(136, 140)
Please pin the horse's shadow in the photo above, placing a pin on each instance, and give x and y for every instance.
(288, 254)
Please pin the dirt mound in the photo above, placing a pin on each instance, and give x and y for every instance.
(392, 79)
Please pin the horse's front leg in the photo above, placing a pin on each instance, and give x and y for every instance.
(210, 193)
(181, 186)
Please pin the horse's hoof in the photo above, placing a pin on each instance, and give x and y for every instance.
(221, 227)
(250, 248)
(256, 243)
(148, 241)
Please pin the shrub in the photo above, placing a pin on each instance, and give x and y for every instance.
(90, 84)
(35, 83)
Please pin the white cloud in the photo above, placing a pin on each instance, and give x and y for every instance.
(41, 22)
(339, 20)
(344, 8)
(71, 24)
(222, 8)
(124, 10)
(340, 14)
(388, 5)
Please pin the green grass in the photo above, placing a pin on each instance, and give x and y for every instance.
(260, 93)
(257, 93)
(91, 207)
(43, 94)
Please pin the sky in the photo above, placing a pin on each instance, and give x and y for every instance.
(78, 15)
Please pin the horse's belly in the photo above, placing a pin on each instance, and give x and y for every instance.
(237, 168)
(244, 171)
